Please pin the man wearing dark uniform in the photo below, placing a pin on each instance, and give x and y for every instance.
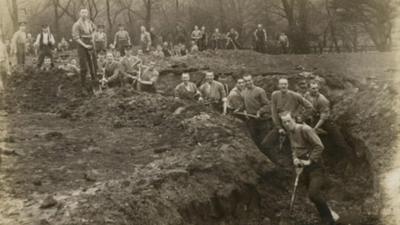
(122, 40)
(82, 33)
(260, 38)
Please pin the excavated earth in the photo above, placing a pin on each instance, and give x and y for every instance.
(123, 157)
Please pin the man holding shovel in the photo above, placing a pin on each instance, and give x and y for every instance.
(256, 104)
(307, 151)
(82, 33)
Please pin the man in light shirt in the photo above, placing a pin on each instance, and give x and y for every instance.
(45, 42)
(214, 92)
(18, 44)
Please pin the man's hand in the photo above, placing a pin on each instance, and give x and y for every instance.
(201, 99)
(258, 115)
(297, 162)
(245, 114)
(282, 131)
(236, 110)
(87, 46)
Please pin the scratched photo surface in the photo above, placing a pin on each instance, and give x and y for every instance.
(189, 112)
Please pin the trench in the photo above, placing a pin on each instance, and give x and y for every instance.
(263, 201)
(349, 187)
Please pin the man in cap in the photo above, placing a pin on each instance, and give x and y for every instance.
(45, 42)
(82, 33)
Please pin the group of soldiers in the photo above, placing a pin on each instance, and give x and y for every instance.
(301, 117)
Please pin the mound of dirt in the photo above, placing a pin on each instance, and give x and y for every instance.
(128, 159)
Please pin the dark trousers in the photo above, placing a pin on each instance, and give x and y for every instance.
(101, 47)
(43, 52)
(337, 137)
(314, 179)
(122, 46)
(277, 148)
(256, 130)
(87, 61)
(21, 51)
(260, 46)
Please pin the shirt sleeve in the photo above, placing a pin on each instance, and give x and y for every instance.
(75, 32)
(324, 107)
(37, 40)
(315, 143)
(264, 102)
(52, 40)
(274, 111)
(304, 102)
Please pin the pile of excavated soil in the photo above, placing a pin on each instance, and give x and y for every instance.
(123, 157)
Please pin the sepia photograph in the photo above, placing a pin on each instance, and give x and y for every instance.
(199, 112)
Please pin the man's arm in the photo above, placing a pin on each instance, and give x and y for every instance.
(52, 40)
(324, 111)
(304, 102)
(264, 102)
(115, 74)
(37, 40)
(76, 36)
(315, 143)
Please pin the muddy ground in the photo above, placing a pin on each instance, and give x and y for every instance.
(122, 157)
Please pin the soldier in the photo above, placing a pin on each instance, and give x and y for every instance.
(187, 90)
(260, 38)
(307, 151)
(255, 103)
(216, 39)
(122, 40)
(100, 39)
(147, 80)
(82, 33)
(214, 92)
(4, 61)
(196, 35)
(284, 43)
(18, 44)
(203, 39)
(112, 73)
(145, 39)
(63, 45)
(281, 101)
(321, 119)
(232, 39)
(235, 100)
(45, 42)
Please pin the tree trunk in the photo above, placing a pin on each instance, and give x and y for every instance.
(148, 4)
(109, 20)
(221, 16)
(14, 14)
(56, 18)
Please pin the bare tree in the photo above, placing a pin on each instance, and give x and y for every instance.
(12, 6)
